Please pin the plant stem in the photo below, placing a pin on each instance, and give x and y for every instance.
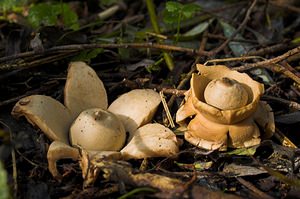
(178, 27)
(153, 19)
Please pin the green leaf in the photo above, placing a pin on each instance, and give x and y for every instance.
(70, 17)
(154, 67)
(4, 189)
(296, 40)
(6, 5)
(198, 29)
(243, 151)
(173, 6)
(175, 11)
(87, 55)
(189, 10)
(238, 48)
(49, 15)
(170, 17)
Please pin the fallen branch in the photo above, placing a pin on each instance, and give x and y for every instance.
(79, 47)
(241, 26)
(272, 64)
(270, 61)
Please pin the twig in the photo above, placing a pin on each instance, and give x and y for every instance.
(44, 166)
(285, 141)
(255, 190)
(173, 91)
(286, 6)
(42, 89)
(269, 50)
(140, 84)
(78, 47)
(290, 104)
(241, 26)
(162, 97)
(244, 58)
(270, 61)
(271, 64)
(37, 62)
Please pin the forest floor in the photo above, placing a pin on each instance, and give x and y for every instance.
(156, 45)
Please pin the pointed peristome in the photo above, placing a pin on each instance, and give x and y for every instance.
(46, 113)
(83, 89)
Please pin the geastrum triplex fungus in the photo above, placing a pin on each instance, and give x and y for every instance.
(86, 121)
(222, 109)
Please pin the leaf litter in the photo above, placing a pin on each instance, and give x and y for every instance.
(125, 60)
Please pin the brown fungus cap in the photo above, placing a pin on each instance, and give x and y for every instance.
(83, 89)
(47, 113)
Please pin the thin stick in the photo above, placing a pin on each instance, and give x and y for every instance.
(233, 59)
(269, 49)
(286, 6)
(78, 47)
(285, 141)
(270, 61)
(290, 104)
(48, 59)
(272, 64)
(241, 26)
(255, 190)
(42, 89)
(163, 100)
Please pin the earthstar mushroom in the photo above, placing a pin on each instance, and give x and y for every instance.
(96, 130)
(220, 120)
